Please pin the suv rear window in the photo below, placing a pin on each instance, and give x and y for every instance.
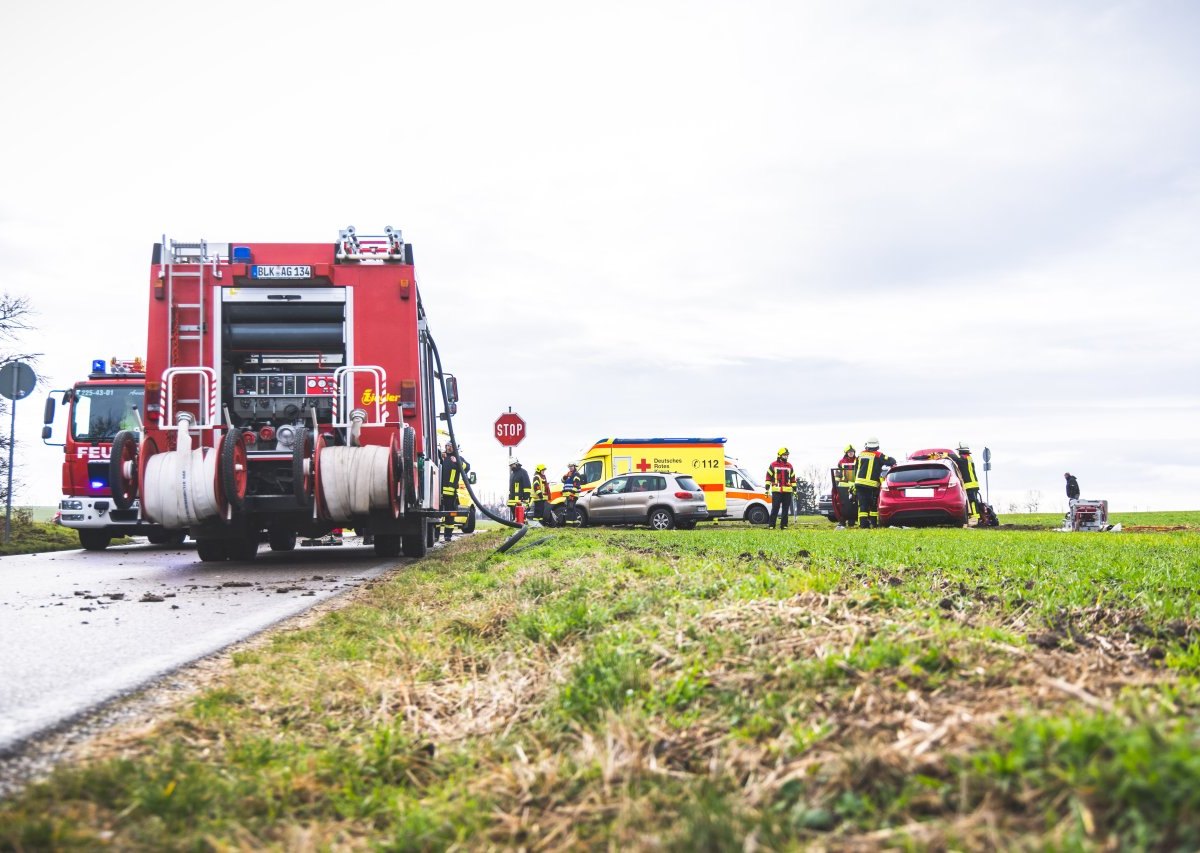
(687, 484)
(916, 475)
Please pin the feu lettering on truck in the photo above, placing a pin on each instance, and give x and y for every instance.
(104, 452)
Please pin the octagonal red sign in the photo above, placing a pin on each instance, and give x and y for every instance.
(510, 429)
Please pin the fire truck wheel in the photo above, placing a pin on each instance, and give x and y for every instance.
(211, 550)
(302, 478)
(94, 540)
(415, 544)
(387, 545)
(469, 527)
(243, 549)
(757, 514)
(282, 540)
(412, 480)
(167, 537)
(233, 469)
(124, 485)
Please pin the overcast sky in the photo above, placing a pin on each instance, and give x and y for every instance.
(787, 223)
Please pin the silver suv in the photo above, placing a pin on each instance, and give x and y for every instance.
(662, 500)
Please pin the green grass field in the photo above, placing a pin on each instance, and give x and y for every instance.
(719, 689)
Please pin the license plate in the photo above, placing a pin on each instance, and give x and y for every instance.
(280, 271)
(918, 493)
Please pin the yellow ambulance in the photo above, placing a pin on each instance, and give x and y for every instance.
(702, 458)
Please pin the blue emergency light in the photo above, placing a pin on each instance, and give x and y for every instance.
(98, 484)
(240, 255)
(99, 365)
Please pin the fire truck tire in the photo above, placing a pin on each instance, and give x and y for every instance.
(122, 469)
(412, 477)
(416, 544)
(302, 477)
(757, 514)
(469, 527)
(233, 469)
(212, 550)
(167, 537)
(387, 544)
(94, 540)
(282, 540)
(243, 549)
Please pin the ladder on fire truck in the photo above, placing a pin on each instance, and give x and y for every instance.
(187, 270)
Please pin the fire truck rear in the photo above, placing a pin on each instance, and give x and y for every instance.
(99, 407)
(290, 392)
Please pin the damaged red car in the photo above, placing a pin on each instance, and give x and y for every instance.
(923, 492)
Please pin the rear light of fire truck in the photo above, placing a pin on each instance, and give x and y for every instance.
(153, 409)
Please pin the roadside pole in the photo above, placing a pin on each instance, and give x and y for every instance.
(987, 466)
(16, 382)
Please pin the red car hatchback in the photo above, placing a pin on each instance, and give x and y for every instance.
(923, 492)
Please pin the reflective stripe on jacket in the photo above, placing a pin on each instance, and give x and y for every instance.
(867, 468)
(781, 476)
(966, 467)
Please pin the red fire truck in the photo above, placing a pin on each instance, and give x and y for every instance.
(290, 392)
(108, 401)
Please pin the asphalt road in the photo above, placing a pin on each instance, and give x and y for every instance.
(78, 628)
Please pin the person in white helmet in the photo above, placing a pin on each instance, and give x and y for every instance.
(518, 486)
(868, 471)
(966, 468)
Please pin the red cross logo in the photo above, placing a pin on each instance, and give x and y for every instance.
(643, 466)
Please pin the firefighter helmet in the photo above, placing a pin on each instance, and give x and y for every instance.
(849, 448)
(962, 447)
(783, 451)
(572, 465)
(872, 444)
(540, 467)
(514, 463)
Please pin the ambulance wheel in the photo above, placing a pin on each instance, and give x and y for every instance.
(469, 527)
(302, 479)
(124, 488)
(387, 545)
(244, 549)
(757, 514)
(211, 550)
(415, 544)
(661, 519)
(233, 469)
(94, 540)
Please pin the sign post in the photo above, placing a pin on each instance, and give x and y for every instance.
(987, 466)
(16, 383)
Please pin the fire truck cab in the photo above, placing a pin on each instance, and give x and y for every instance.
(107, 402)
(290, 391)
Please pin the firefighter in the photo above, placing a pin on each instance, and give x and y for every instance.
(844, 488)
(541, 496)
(966, 467)
(1072, 487)
(451, 477)
(572, 485)
(518, 489)
(781, 482)
(868, 470)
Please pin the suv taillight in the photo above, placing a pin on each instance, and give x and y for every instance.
(683, 496)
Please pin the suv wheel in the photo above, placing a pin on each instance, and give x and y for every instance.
(661, 519)
(583, 519)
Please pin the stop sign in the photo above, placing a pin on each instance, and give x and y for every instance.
(510, 429)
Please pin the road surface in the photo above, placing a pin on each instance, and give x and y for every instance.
(78, 628)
